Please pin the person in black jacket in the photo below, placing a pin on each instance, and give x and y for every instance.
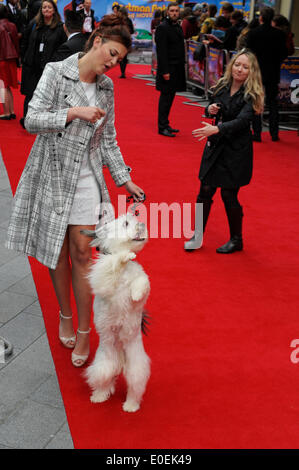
(76, 39)
(123, 64)
(228, 154)
(269, 46)
(16, 16)
(40, 40)
(87, 13)
(171, 65)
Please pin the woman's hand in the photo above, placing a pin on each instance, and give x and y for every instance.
(213, 109)
(166, 76)
(86, 113)
(205, 131)
(132, 188)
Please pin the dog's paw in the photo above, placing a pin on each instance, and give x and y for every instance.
(137, 295)
(99, 396)
(131, 406)
(139, 288)
(128, 256)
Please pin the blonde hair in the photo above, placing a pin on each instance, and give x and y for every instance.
(253, 84)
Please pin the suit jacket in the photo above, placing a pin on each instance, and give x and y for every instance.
(170, 48)
(71, 46)
(93, 23)
(45, 192)
(17, 18)
(269, 46)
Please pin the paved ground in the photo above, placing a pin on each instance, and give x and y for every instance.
(32, 414)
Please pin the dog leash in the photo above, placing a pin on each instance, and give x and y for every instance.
(145, 319)
(133, 209)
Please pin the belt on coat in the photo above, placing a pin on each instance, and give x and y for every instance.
(55, 169)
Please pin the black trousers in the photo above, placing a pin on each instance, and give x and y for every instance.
(165, 103)
(271, 93)
(123, 65)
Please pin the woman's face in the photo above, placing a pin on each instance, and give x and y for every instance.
(107, 55)
(47, 10)
(241, 69)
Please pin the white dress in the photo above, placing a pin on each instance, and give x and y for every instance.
(86, 204)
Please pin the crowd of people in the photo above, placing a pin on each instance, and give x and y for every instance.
(33, 34)
(224, 29)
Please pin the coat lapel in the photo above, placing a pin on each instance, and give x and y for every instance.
(77, 96)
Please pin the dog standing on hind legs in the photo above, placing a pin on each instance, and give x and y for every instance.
(121, 288)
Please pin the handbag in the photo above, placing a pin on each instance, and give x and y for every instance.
(200, 52)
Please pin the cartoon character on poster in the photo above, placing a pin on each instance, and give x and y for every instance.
(215, 64)
(196, 69)
(289, 83)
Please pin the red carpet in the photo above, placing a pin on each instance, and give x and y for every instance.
(222, 325)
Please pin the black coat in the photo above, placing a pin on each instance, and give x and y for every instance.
(227, 157)
(71, 46)
(33, 64)
(170, 45)
(17, 18)
(269, 46)
(93, 21)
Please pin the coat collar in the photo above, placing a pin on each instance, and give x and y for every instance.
(71, 70)
(77, 96)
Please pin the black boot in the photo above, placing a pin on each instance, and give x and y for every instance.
(234, 216)
(196, 241)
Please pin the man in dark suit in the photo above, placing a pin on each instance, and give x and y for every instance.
(88, 18)
(76, 39)
(269, 46)
(16, 16)
(171, 77)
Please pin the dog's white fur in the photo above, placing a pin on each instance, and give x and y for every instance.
(121, 288)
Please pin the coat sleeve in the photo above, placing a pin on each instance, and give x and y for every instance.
(161, 45)
(110, 151)
(41, 117)
(240, 122)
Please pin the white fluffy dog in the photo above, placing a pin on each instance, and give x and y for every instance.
(121, 288)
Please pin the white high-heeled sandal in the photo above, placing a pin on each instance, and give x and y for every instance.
(65, 341)
(77, 357)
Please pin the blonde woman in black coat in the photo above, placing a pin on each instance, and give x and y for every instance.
(228, 154)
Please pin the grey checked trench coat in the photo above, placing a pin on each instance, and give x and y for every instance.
(46, 189)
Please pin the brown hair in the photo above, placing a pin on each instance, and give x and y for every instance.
(56, 19)
(172, 4)
(111, 28)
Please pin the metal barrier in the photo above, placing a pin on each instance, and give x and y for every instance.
(154, 64)
(205, 74)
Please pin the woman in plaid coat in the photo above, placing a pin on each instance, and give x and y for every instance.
(72, 111)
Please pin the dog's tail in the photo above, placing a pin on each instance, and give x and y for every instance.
(145, 322)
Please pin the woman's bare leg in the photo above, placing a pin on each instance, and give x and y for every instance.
(10, 103)
(61, 279)
(6, 104)
(80, 253)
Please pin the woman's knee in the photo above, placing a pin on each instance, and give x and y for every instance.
(80, 253)
(206, 193)
(230, 197)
